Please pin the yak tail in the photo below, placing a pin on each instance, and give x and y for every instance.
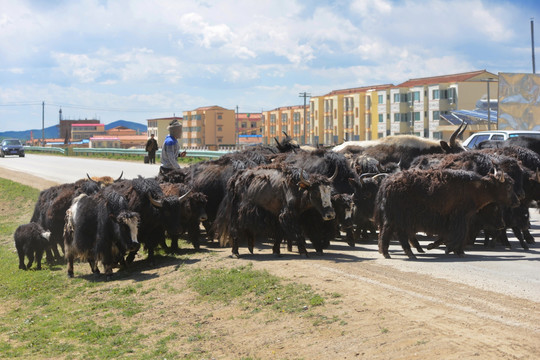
(224, 220)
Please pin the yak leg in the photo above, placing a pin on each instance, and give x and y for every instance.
(21, 262)
(70, 266)
(276, 249)
(30, 260)
(435, 244)
(174, 244)
(458, 238)
(384, 240)
(39, 256)
(349, 236)
(413, 241)
(404, 241)
(193, 235)
(528, 237)
(503, 238)
(93, 266)
(234, 249)
(519, 235)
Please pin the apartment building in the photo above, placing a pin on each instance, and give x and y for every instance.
(210, 126)
(86, 131)
(343, 115)
(289, 120)
(416, 104)
(249, 128)
(412, 107)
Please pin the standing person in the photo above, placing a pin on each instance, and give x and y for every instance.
(151, 148)
(171, 148)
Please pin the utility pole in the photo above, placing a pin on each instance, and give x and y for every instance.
(532, 44)
(305, 95)
(43, 123)
(236, 128)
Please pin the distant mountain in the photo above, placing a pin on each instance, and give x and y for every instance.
(52, 132)
(128, 124)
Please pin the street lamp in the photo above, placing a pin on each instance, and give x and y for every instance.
(487, 81)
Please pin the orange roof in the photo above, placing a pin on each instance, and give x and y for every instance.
(452, 78)
(293, 107)
(212, 107)
(360, 89)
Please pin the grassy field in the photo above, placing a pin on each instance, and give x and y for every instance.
(183, 308)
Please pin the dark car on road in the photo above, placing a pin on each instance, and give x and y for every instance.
(11, 147)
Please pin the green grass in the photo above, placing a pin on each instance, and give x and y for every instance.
(45, 314)
(252, 289)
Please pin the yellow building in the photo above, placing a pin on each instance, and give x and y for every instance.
(286, 119)
(210, 127)
(343, 115)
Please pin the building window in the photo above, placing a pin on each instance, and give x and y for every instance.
(220, 116)
(435, 94)
(416, 116)
(284, 118)
(416, 96)
(381, 99)
(220, 128)
(397, 97)
(381, 118)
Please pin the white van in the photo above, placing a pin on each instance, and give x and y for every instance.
(501, 135)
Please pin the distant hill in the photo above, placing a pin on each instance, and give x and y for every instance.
(52, 132)
(128, 124)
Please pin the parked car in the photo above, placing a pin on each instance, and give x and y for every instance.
(502, 135)
(11, 147)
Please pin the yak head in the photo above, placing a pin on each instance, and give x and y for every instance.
(317, 193)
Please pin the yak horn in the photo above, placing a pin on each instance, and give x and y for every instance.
(120, 177)
(455, 134)
(303, 180)
(380, 175)
(183, 196)
(92, 180)
(155, 202)
(334, 175)
(284, 133)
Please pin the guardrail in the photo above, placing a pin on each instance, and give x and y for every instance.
(57, 150)
(142, 152)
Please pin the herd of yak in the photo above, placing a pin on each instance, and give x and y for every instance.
(395, 187)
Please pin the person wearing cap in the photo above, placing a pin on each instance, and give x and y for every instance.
(151, 148)
(171, 148)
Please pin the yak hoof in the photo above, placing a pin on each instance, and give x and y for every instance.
(22, 267)
(411, 255)
(70, 274)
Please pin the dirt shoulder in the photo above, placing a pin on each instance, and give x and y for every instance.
(372, 311)
(26, 179)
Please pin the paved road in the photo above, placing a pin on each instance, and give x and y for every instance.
(64, 169)
(514, 272)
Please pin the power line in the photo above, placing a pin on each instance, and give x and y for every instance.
(91, 108)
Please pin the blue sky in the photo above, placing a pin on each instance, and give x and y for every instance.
(136, 60)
